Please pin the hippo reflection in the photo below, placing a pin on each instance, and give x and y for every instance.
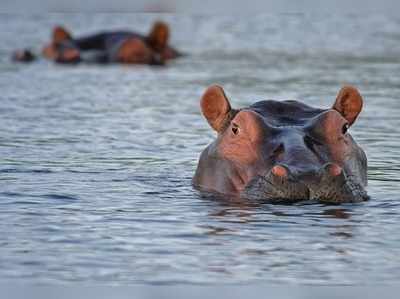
(283, 151)
(107, 47)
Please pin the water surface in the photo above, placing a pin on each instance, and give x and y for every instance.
(96, 161)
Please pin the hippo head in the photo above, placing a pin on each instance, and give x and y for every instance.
(62, 48)
(283, 151)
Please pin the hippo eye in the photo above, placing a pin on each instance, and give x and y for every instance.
(345, 128)
(235, 129)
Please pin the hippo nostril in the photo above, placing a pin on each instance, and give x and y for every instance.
(333, 169)
(279, 150)
(280, 171)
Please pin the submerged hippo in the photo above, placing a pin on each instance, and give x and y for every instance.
(283, 151)
(107, 47)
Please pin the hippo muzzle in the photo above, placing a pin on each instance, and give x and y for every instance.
(330, 184)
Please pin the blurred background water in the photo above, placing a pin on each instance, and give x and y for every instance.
(96, 161)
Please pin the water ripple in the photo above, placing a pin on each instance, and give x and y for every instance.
(96, 162)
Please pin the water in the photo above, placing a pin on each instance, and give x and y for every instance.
(96, 161)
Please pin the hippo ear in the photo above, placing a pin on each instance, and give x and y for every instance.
(349, 103)
(215, 107)
(158, 37)
(60, 34)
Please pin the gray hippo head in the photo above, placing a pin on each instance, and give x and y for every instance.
(283, 151)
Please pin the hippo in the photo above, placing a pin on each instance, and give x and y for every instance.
(107, 47)
(283, 151)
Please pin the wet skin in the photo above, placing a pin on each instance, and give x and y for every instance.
(108, 47)
(283, 151)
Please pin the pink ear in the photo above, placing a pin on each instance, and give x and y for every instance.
(349, 103)
(159, 35)
(215, 107)
(60, 34)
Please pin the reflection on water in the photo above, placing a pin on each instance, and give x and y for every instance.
(96, 162)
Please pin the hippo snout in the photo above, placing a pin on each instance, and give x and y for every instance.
(328, 183)
(24, 55)
(310, 175)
